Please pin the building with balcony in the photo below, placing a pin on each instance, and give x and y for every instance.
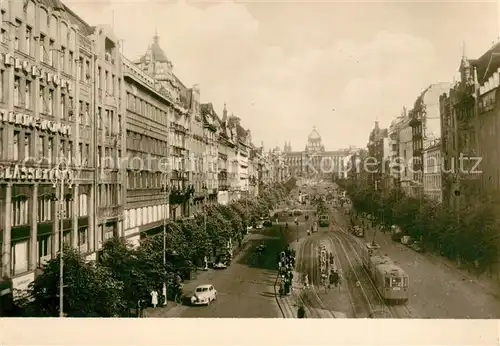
(469, 120)
(211, 124)
(397, 164)
(377, 163)
(156, 64)
(426, 128)
(225, 160)
(243, 148)
(432, 172)
(52, 64)
(254, 171)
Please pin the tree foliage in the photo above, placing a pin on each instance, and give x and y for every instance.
(124, 274)
(469, 234)
(90, 290)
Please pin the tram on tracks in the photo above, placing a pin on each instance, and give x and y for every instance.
(390, 280)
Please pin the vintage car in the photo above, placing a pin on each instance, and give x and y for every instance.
(204, 295)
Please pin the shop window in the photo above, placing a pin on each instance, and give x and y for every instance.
(19, 257)
(44, 248)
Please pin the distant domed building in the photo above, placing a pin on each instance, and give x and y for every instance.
(315, 160)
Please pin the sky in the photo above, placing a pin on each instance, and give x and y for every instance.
(286, 66)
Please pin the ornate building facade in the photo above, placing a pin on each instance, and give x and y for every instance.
(315, 160)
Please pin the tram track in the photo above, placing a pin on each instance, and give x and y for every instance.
(395, 311)
(308, 265)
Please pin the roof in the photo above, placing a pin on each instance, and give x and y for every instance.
(84, 27)
(314, 135)
(487, 63)
(158, 53)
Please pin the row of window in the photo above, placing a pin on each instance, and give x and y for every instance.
(432, 181)
(142, 216)
(109, 82)
(139, 106)
(22, 208)
(143, 143)
(108, 195)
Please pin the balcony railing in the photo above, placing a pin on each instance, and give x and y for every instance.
(109, 212)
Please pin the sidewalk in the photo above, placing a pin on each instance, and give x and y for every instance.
(198, 277)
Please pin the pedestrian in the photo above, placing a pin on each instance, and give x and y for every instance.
(139, 308)
(154, 298)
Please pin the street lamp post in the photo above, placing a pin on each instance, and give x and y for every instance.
(61, 174)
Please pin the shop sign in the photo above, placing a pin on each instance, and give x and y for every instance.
(17, 172)
(35, 71)
(31, 121)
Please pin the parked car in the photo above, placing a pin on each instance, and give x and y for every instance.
(220, 265)
(267, 223)
(406, 240)
(417, 246)
(204, 295)
(260, 225)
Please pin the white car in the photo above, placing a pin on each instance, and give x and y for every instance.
(203, 295)
(260, 225)
(220, 265)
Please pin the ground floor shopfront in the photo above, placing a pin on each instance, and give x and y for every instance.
(31, 228)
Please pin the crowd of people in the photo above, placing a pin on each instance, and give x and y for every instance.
(286, 263)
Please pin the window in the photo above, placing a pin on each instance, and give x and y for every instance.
(17, 90)
(61, 148)
(27, 146)
(27, 95)
(28, 40)
(99, 118)
(99, 80)
(106, 80)
(68, 206)
(70, 108)
(63, 106)
(50, 149)
(86, 155)
(70, 152)
(87, 71)
(2, 83)
(119, 124)
(70, 63)
(43, 50)
(79, 154)
(83, 205)
(19, 257)
(45, 207)
(62, 58)
(41, 99)
(99, 156)
(50, 102)
(41, 147)
(19, 211)
(51, 53)
(44, 248)
(15, 145)
(16, 37)
(82, 236)
(106, 122)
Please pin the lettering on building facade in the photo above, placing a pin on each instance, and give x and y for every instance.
(17, 172)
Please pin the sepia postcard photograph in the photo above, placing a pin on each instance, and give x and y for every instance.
(168, 162)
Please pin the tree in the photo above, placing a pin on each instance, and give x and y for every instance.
(469, 234)
(196, 235)
(90, 290)
(118, 256)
